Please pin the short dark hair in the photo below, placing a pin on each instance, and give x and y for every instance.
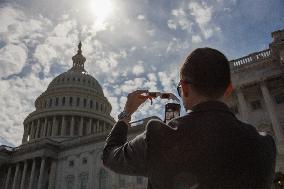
(208, 70)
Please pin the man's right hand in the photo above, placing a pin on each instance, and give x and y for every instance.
(134, 100)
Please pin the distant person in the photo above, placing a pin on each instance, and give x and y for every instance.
(208, 148)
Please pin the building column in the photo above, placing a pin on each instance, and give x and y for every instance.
(37, 128)
(72, 126)
(278, 132)
(244, 111)
(43, 133)
(89, 126)
(8, 177)
(32, 174)
(52, 175)
(104, 126)
(81, 127)
(32, 130)
(63, 128)
(41, 172)
(54, 126)
(49, 129)
(25, 135)
(97, 126)
(23, 180)
(16, 176)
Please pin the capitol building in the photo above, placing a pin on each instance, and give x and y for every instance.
(63, 138)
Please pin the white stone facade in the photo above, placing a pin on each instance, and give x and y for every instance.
(64, 137)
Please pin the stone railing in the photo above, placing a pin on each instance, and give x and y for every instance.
(250, 59)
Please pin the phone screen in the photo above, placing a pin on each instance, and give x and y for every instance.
(172, 110)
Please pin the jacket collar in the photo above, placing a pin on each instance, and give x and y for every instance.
(211, 106)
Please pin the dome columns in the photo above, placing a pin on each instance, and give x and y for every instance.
(63, 126)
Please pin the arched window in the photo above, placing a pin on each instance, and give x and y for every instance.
(121, 181)
(103, 178)
(139, 180)
(83, 180)
(70, 181)
(91, 104)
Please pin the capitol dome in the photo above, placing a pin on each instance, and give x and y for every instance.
(73, 105)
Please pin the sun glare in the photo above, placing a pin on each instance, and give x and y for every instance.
(101, 9)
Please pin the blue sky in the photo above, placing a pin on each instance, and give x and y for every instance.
(128, 44)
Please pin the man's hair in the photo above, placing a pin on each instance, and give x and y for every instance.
(208, 70)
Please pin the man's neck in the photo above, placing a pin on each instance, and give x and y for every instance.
(202, 99)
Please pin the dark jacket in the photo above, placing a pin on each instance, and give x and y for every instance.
(207, 148)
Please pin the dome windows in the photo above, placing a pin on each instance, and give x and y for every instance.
(70, 101)
(78, 101)
(50, 102)
(91, 104)
(85, 102)
(63, 101)
(56, 101)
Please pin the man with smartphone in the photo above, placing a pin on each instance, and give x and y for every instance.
(207, 148)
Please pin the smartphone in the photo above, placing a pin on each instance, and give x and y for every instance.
(172, 110)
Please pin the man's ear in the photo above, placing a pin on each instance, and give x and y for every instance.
(229, 90)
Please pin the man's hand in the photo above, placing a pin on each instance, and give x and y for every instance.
(134, 100)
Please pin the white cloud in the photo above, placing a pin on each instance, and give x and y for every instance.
(201, 12)
(180, 20)
(172, 24)
(17, 99)
(196, 39)
(203, 16)
(138, 69)
(12, 59)
(141, 17)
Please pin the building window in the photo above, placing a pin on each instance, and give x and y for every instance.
(70, 181)
(101, 107)
(97, 105)
(56, 101)
(85, 102)
(102, 179)
(78, 101)
(139, 180)
(83, 180)
(71, 163)
(121, 181)
(50, 102)
(84, 160)
(70, 101)
(279, 98)
(91, 104)
(256, 104)
(234, 109)
(63, 101)
(73, 78)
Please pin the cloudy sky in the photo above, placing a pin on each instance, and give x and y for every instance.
(128, 44)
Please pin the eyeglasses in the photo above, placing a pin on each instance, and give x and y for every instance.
(179, 86)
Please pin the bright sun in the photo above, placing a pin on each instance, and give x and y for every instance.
(101, 9)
